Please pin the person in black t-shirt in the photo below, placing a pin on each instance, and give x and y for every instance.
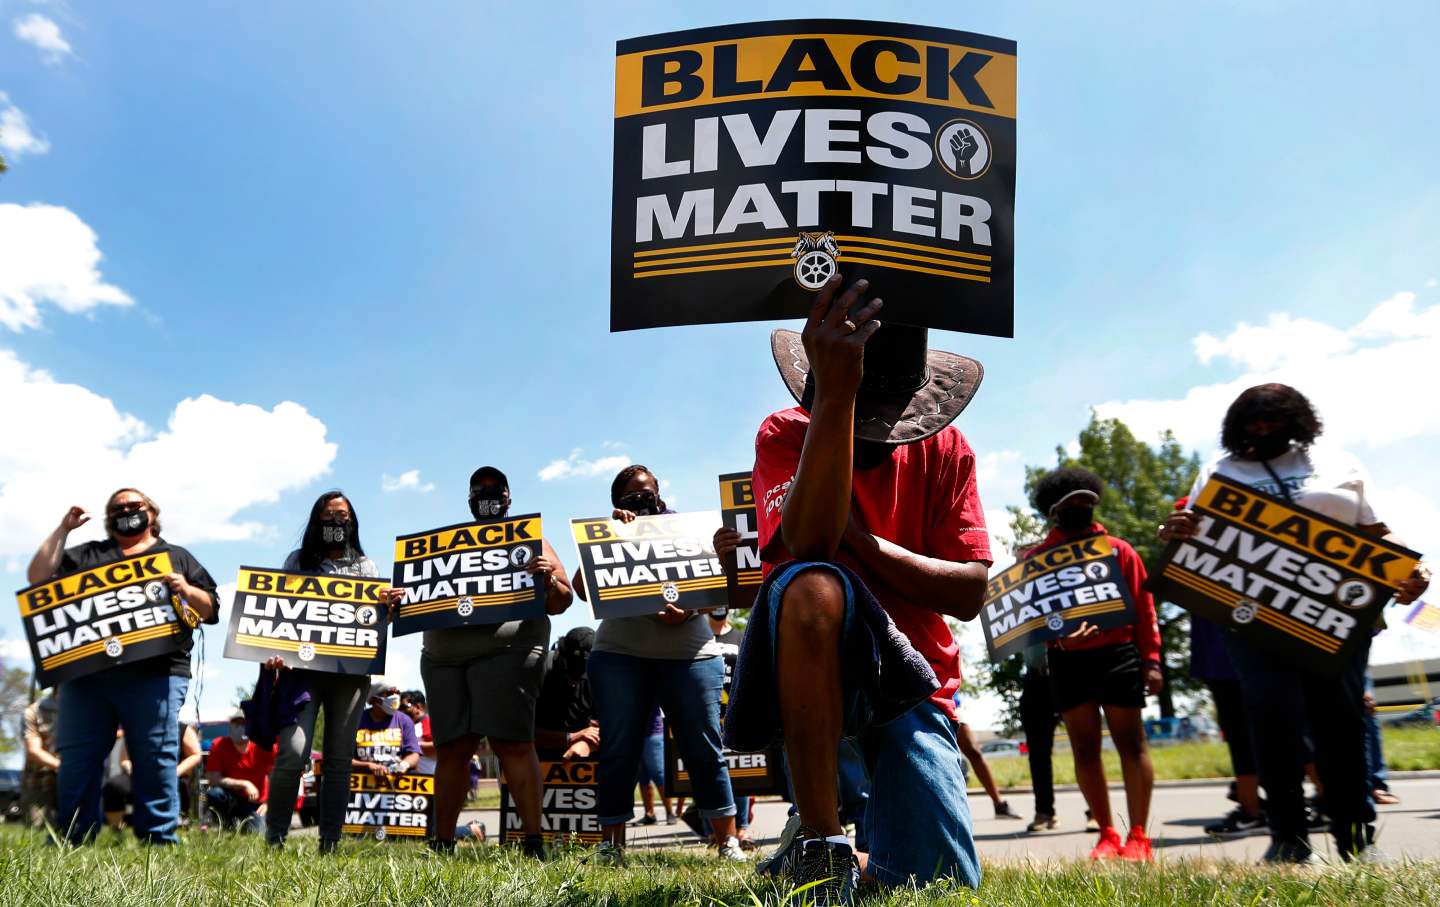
(565, 725)
(144, 696)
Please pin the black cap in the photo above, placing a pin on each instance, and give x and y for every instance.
(578, 641)
(489, 472)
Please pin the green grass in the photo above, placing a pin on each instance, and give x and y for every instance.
(1406, 749)
(233, 871)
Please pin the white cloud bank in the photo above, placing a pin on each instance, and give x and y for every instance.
(44, 35)
(49, 255)
(576, 466)
(17, 139)
(64, 444)
(409, 480)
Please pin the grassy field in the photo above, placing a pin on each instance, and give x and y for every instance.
(1406, 749)
(223, 869)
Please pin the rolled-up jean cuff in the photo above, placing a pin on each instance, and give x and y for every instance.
(718, 813)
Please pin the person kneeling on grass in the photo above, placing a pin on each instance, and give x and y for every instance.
(238, 770)
(1111, 670)
(871, 532)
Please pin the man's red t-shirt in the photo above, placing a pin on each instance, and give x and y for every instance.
(923, 499)
(253, 765)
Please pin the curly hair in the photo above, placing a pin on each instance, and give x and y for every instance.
(617, 487)
(1272, 403)
(1056, 484)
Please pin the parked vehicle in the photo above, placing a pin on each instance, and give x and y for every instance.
(1424, 715)
(1000, 747)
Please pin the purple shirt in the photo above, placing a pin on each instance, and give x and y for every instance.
(386, 740)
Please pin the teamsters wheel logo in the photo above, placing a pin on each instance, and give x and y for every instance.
(670, 592)
(1055, 622)
(465, 607)
(1354, 594)
(1245, 611)
(815, 255)
(113, 647)
(963, 149)
(1096, 570)
(380, 833)
(520, 556)
(306, 652)
(366, 616)
(156, 591)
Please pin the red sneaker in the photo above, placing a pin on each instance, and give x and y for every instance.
(1109, 847)
(1137, 847)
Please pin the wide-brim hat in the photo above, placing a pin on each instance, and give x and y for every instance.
(909, 391)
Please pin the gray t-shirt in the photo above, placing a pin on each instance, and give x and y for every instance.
(646, 636)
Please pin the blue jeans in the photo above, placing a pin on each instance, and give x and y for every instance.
(652, 762)
(626, 690)
(234, 810)
(1379, 772)
(147, 708)
(917, 818)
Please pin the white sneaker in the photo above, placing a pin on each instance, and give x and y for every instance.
(731, 851)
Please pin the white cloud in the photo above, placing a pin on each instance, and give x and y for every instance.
(49, 255)
(1284, 340)
(42, 32)
(409, 480)
(1000, 478)
(16, 138)
(576, 466)
(14, 651)
(64, 444)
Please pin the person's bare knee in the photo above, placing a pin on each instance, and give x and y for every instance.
(512, 749)
(813, 604)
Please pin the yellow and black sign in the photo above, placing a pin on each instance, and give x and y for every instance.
(99, 618)
(642, 566)
(327, 623)
(389, 807)
(754, 161)
(567, 804)
(737, 512)
(1046, 596)
(468, 575)
(1290, 579)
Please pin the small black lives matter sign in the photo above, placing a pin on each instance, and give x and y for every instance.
(737, 512)
(754, 161)
(1294, 581)
(1048, 594)
(99, 618)
(468, 575)
(642, 566)
(751, 774)
(329, 623)
(395, 806)
(567, 805)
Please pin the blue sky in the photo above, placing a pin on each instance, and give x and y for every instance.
(347, 241)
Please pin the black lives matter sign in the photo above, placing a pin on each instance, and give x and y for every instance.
(330, 623)
(1047, 595)
(1291, 580)
(737, 512)
(568, 802)
(468, 575)
(641, 566)
(754, 161)
(99, 618)
(397, 806)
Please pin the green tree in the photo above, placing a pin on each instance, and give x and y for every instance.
(1142, 484)
(14, 697)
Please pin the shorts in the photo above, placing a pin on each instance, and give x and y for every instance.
(488, 696)
(1106, 675)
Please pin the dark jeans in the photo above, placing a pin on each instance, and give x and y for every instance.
(1039, 719)
(1281, 701)
(1374, 751)
(342, 696)
(234, 810)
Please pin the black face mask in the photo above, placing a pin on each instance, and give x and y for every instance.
(336, 532)
(488, 507)
(1268, 447)
(1074, 519)
(641, 503)
(719, 613)
(130, 523)
(869, 454)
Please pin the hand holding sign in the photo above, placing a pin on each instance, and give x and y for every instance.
(1413, 586)
(835, 340)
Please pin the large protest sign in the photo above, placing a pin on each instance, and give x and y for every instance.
(567, 805)
(393, 806)
(754, 161)
(468, 575)
(329, 623)
(1048, 594)
(99, 618)
(751, 774)
(1291, 580)
(737, 512)
(641, 566)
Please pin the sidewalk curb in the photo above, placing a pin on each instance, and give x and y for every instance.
(1195, 782)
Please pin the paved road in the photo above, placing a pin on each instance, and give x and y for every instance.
(1410, 829)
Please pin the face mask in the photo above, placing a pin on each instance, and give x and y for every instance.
(390, 703)
(335, 532)
(1074, 519)
(130, 523)
(643, 503)
(1268, 447)
(719, 613)
(237, 735)
(484, 507)
(869, 454)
